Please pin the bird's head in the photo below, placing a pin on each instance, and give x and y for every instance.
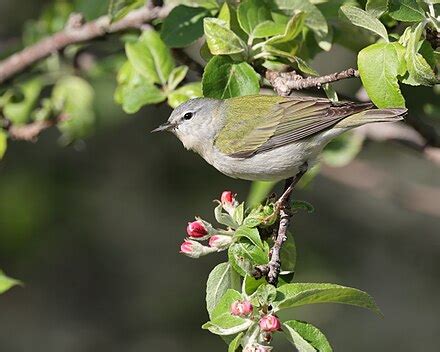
(195, 122)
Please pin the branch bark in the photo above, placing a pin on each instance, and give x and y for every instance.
(272, 270)
(402, 134)
(31, 131)
(76, 32)
(285, 82)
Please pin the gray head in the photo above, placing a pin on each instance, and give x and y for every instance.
(194, 122)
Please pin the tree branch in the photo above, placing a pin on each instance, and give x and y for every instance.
(272, 270)
(402, 134)
(30, 131)
(285, 82)
(76, 32)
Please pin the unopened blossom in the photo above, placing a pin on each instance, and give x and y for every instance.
(196, 229)
(241, 308)
(220, 242)
(270, 323)
(194, 249)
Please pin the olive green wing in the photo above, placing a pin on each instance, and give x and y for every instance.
(261, 123)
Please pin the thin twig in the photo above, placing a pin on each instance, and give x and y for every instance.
(272, 270)
(30, 131)
(76, 32)
(285, 82)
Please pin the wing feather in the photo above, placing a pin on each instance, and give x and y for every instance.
(256, 124)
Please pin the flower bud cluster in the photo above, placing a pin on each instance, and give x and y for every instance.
(200, 230)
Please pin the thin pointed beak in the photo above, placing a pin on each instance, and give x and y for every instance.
(164, 127)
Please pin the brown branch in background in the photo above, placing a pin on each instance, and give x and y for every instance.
(402, 134)
(380, 184)
(76, 31)
(31, 131)
(285, 82)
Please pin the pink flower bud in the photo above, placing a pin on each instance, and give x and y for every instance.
(194, 249)
(270, 323)
(241, 308)
(186, 247)
(220, 242)
(228, 202)
(227, 198)
(196, 229)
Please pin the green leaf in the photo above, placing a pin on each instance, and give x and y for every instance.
(118, 9)
(137, 95)
(268, 29)
(288, 254)
(379, 65)
(223, 78)
(177, 75)
(261, 215)
(251, 284)
(20, 112)
(183, 26)
(221, 40)
(235, 343)
(419, 71)
(306, 337)
(6, 282)
(251, 234)
(207, 4)
(406, 10)
(298, 294)
(365, 20)
(150, 57)
(250, 13)
(265, 294)
(244, 256)
(258, 192)
(221, 278)
(225, 14)
(227, 325)
(343, 149)
(314, 19)
(293, 28)
(224, 218)
(182, 94)
(302, 205)
(74, 97)
(3, 143)
(238, 214)
(376, 7)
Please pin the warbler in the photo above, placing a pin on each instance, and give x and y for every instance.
(264, 137)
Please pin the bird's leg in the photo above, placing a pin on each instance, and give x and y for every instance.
(273, 268)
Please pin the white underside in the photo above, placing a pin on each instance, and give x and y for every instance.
(274, 165)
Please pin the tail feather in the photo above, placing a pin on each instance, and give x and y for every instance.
(371, 116)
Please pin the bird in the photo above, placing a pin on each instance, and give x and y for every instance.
(267, 137)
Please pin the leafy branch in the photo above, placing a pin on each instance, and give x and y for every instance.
(76, 31)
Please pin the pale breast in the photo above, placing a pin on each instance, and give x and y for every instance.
(274, 165)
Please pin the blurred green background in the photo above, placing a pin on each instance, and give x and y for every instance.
(93, 230)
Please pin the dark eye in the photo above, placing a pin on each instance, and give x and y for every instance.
(188, 115)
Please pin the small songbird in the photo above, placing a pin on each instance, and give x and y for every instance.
(264, 137)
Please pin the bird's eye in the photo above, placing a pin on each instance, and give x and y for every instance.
(188, 115)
